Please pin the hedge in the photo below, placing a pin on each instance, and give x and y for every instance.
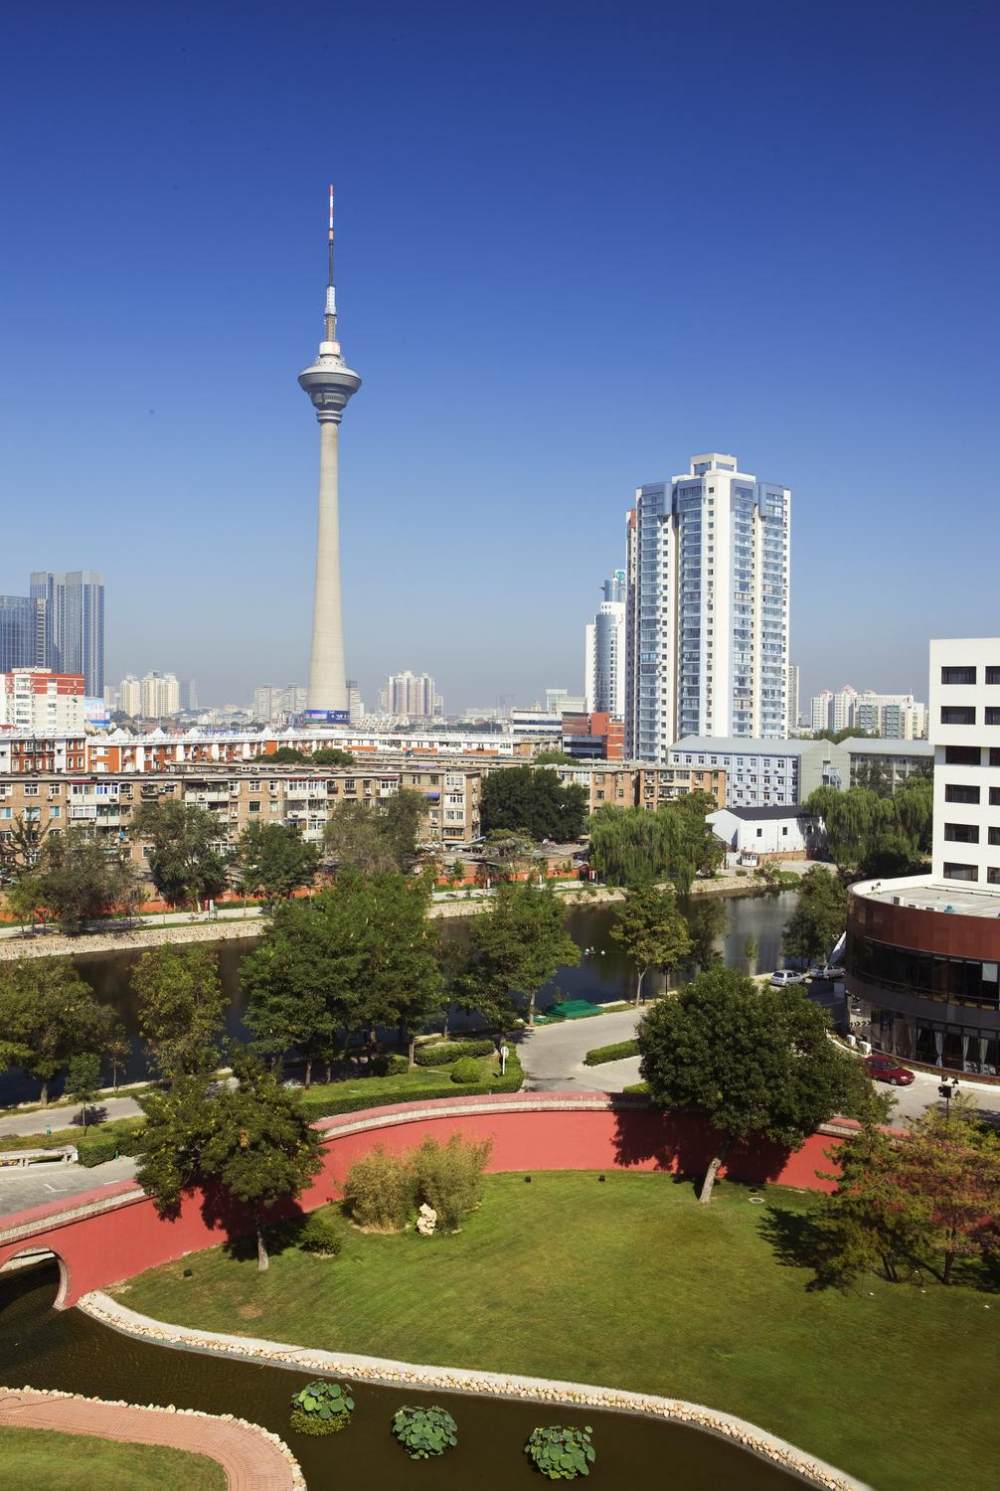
(106, 1140)
(331, 1107)
(636, 1090)
(443, 1053)
(617, 1051)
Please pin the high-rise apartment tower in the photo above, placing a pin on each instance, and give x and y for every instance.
(707, 608)
(604, 652)
(330, 383)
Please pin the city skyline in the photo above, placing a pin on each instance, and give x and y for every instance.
(846, 408)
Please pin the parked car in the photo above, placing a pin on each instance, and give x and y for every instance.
(818, 971)
(833, 970)
(884, 1069)
(786, 976)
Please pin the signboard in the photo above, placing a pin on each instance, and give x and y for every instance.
(327, 717)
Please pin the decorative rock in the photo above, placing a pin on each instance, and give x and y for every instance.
(427, 1220)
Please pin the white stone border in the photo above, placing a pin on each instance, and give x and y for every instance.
(383, 1370)
(298, 1481)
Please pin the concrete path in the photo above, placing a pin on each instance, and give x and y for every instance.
(250, 1457)
(552, 1055)
(64, 1116)
(39, 1184)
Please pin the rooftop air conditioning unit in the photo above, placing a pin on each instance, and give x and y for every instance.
(897, 900)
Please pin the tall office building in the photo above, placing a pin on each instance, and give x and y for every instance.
(22, 632)
(74, 623)
(330, 383)
(707, 608)
(604, 652)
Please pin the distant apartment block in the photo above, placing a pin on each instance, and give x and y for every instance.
(766, 773)
(899, 716)
(38, 700)
(707, 608)
(411, 696)
(604, 652)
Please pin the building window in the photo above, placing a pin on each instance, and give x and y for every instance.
(960, 872)
(958, 675)
(958, 714)
(995, 755)
(992, 715)
(994, 836)
(992, 675)
(993, 876)
(962, 833)
(955, 793)
(995, 797)
(957, 755)
(760, 833)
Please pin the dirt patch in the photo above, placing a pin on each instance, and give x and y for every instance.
(250, 1312)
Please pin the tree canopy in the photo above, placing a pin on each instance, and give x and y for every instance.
(532, 800)
(819, 918)
(515, 944)
(751, 1060)
(652, 931)
(48, 1015)
(378, 837)
(181, 1007)
(251, 1144)
(80, 878)
(869, 835)
(187, 861)
(630, 846)
(273, 860)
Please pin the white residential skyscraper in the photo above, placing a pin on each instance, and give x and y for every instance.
(604, 651)
(707, 608)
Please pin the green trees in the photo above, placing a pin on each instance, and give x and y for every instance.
(186, 860)
(533, 801)
(924, 1199)
(79, 878)
(273, 860)
(651, 930)
(376, 838)
(751, 1061)
(181, 1007)
(359, 955)
(819, 918)
(515, 945)
(331, 756)
(250, 1143)
(48, 1015)
(869, 835)
(632, 845)
(83, 1082)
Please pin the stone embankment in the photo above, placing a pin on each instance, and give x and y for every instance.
(252, 1458)
(385, 1371)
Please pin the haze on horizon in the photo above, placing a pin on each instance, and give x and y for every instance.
(574, 248)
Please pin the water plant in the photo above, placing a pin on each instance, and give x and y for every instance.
(561, 1453)
(425, 1432)
(322, 1407)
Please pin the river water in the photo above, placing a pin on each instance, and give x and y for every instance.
(604, 973)
(42, 1347)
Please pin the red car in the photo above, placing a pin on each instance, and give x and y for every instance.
(884, 1070)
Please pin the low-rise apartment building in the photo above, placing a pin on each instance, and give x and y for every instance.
(887, 762)
(635, 784)
(39, 700)
(765, 773)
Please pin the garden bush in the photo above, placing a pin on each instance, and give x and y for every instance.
(443, 1053)
(465, 1071)
(617, 1051)
(320, 1233)
(424, 1432)
(102, 1142)
(449, 1177)
(636, 1090)
(322, 1407)
(378, 1191)
(561, 1453)
(388, 1091)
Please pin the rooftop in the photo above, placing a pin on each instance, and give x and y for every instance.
(758, 815)
(887, 745)
(720, 744)
(924, 893)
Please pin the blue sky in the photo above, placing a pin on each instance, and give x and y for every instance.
(577, 243)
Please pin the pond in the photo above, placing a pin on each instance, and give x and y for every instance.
(44, 1348)
(604, 973)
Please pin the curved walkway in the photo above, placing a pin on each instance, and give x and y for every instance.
(252, 1458)
(384, 1370)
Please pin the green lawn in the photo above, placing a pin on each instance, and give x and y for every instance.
(37, 1460)
(631, 1284)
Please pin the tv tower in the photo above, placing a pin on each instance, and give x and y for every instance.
(329, 382)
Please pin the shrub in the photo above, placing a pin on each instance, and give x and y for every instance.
(324, 1105)
(443, 1053)
(465, 1071)
(424, 1432)
(322, 1407)
(636, 1090)
(378, 1191)
(449, 1177)
(106, 1140)
(320, 1233)
(615, 1052)
(561, 1453)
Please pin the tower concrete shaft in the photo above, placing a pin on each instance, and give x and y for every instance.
(330, 383)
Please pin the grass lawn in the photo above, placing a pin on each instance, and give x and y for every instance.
(401, 1087)
(632, 1284)
(40, 1460)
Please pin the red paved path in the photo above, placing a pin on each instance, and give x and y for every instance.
(251, 1462)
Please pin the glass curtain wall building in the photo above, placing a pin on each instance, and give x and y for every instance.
(22, 632)
(74, 623)
(707, 608)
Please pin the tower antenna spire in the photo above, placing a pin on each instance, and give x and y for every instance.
(331, 294)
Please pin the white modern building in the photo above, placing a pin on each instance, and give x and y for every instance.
(765, 773)
(707, 608)
(161, 695)
(604, 652)
(755, 834)
(965, 714)
(39, 700)
(411, 696)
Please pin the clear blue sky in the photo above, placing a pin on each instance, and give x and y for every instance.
(577, 242)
